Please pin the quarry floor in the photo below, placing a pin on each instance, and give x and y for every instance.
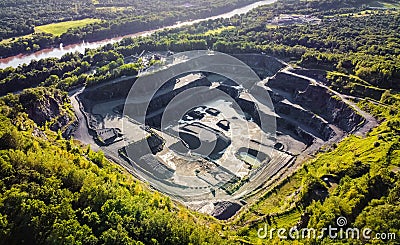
(200, 194)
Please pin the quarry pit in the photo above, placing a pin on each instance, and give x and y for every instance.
(216, 156)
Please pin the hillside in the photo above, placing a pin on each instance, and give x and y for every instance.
(57, 190)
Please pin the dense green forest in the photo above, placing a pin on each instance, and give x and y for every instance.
(18, 19)
(56, 191)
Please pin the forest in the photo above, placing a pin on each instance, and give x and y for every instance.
(77, 196)
(55, 191)
(18, 19)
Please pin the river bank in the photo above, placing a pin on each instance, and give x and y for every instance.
(58, 52)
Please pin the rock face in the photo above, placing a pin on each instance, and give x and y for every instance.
(47, 105)
(287, 83)
(303, 222)
(331, 108)
(263, 65)
(225, 209)
(109, 91)
(308, 110)
(314, 123)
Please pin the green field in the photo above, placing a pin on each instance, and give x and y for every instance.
(9, 40)
(219, 30)
(57, 29)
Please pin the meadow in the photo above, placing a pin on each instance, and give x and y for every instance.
(57, 29)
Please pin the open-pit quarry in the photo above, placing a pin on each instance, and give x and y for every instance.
(214, 156)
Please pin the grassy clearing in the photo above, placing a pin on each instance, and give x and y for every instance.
(351, 150)
(389, 10)
(280, 199)
(10, 40)
(113, 9)
(57, 29)
(367, 13)
(219, 30)
(348, 77)
(286, 221)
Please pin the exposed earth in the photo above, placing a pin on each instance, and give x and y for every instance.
(217, 157)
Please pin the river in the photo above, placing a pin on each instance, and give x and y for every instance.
(20, 59)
